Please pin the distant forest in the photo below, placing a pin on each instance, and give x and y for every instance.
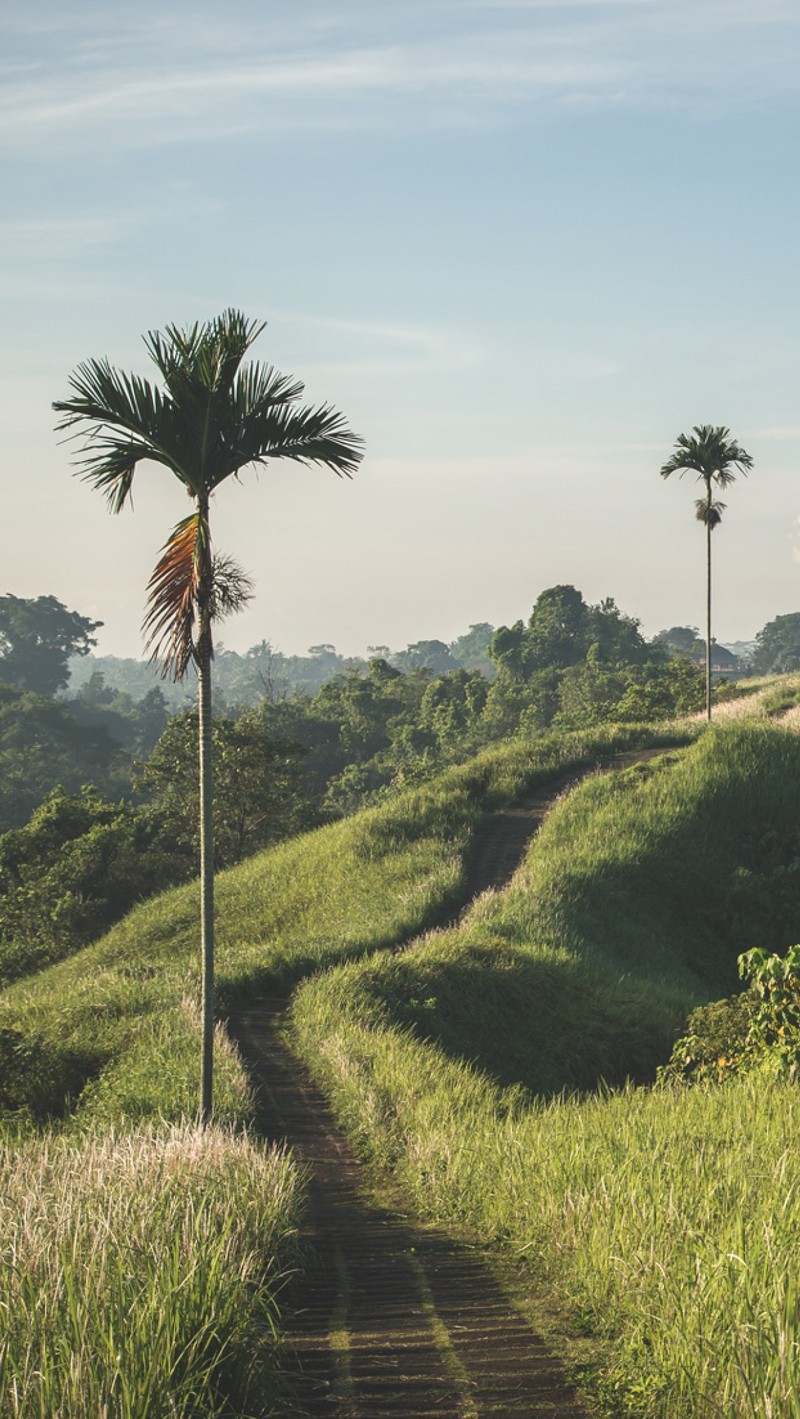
(262, 671)
(98, 780)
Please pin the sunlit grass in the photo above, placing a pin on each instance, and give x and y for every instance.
(108, 1030)
(669, 1221)
(139, 1274)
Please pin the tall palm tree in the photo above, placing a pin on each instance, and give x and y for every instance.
(713, 455)
(213, 416)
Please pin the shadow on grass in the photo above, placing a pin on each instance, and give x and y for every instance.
(38, 1081)
(546, 1025)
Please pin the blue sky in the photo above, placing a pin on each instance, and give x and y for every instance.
(521, 245)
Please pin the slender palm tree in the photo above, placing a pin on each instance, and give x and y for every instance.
(212, 416)
(713, 455)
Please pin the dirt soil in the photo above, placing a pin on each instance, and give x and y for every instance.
(392, 1319)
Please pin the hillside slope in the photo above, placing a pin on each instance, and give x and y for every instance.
(108, 1034)
(651, 1214)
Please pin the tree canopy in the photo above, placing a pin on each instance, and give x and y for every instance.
(777, 647)
(560, 631)
(37, 638)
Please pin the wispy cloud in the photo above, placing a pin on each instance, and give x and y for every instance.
(379, 347)
(778, 433)
(187, 75)
(42, 237)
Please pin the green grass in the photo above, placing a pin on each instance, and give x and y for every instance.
(130, 1286)
(653, 1213)
(667, 1222)
(638, 895)
(172, 1321)
(107, 1033)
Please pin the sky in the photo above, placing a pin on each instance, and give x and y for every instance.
(522, 246)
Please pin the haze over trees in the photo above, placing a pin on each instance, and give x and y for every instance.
(38, 638)
(777, 646)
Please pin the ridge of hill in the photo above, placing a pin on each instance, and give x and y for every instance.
(433, 1055)
(107, 1034)
(650, 1213)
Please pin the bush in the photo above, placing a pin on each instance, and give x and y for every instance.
(759, 1028)
(78, 866)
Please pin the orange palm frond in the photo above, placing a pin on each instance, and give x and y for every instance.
(172, 595)
(183, 570)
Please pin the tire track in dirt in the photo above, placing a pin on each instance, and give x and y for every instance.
(504, 840)
(394, 1319)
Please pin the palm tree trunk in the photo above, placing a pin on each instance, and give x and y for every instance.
(206, 859)
(708, 619)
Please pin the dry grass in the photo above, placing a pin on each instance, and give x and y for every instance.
(129, 1286)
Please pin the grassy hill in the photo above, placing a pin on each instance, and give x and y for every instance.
(666, 1219)
(99, 1053)
(447, 1061)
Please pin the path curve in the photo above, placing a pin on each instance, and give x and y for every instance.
(394, 1319)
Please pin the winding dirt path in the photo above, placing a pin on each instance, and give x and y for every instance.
(396, 1320)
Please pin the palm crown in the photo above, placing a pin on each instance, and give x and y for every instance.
(213, 417)
(713, 455)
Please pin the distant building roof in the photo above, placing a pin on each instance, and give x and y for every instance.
(721, 658)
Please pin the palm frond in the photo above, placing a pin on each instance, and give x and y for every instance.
(174, 592)
(709, 452)
(309, 436)
(126, 419)
(172, 596)
(207, 355)
(231, 587)
(709, 512)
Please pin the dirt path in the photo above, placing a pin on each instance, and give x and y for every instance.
(505, 837)
(395, 1320)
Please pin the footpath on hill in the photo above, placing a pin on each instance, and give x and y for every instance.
(392, 1319)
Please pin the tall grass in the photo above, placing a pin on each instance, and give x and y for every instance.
(140, 1274)
(637, 896)
(670, 1221)
(133, 1283)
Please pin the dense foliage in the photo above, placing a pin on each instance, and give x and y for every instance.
(38, 639)
(284, 764)
(756, 1029)
(43, 746)
(76, 867)
(777, 647)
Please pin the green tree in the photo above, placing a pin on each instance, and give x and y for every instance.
(560, 631)
(76, 867)
(135, 724)
(42, 746)
(212, 416)
(37, 637)
(682, 640)
(777, 648)
(712, 455)
(472, 649)
(425, 655)
(259, 794)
